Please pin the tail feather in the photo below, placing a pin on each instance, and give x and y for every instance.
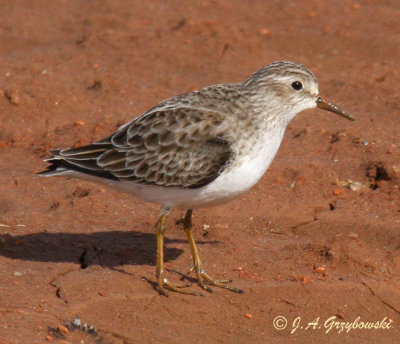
(82, 159)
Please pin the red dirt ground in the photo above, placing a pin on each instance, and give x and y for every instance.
(318, 237)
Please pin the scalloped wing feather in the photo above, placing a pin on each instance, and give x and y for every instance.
(182, 147)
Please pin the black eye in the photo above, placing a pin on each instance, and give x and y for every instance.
(297, 85)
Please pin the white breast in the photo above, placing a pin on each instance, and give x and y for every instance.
(244, 173)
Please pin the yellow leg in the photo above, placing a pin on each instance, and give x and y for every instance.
(202, 276)
(162, 281)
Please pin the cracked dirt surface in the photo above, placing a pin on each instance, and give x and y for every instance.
(317, 237)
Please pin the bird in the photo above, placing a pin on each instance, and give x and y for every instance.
(197, 149)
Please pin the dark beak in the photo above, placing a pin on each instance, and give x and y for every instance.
(323, 104)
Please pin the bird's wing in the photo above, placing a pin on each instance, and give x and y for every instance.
(182, 147)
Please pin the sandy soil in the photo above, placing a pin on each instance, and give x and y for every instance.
(317, 238)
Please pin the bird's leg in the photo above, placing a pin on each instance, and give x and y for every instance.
(162, 281)
(202, 276)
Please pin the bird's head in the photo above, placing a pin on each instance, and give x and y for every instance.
(289, 88)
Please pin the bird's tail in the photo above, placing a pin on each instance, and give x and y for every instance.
(64, 162)
(56, 167)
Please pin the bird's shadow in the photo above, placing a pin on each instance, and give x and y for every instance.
(108, 249)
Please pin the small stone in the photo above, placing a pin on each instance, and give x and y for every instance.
(356, 186)
(340, 315)
(353, 186)
(63, 329)
(320, 270)
(13, 97)
(353, 235)
(265, 32)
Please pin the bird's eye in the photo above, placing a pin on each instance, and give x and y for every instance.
(297, 85)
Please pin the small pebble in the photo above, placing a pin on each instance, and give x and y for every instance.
(63, 329)
(320, 270)
(353, 235)
(340, 315)
(265, 32)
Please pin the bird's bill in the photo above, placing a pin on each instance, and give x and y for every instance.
(325, 105)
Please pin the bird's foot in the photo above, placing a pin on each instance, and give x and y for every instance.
(164, 283)
(203, 278)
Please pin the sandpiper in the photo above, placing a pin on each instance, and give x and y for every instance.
(198, 149)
